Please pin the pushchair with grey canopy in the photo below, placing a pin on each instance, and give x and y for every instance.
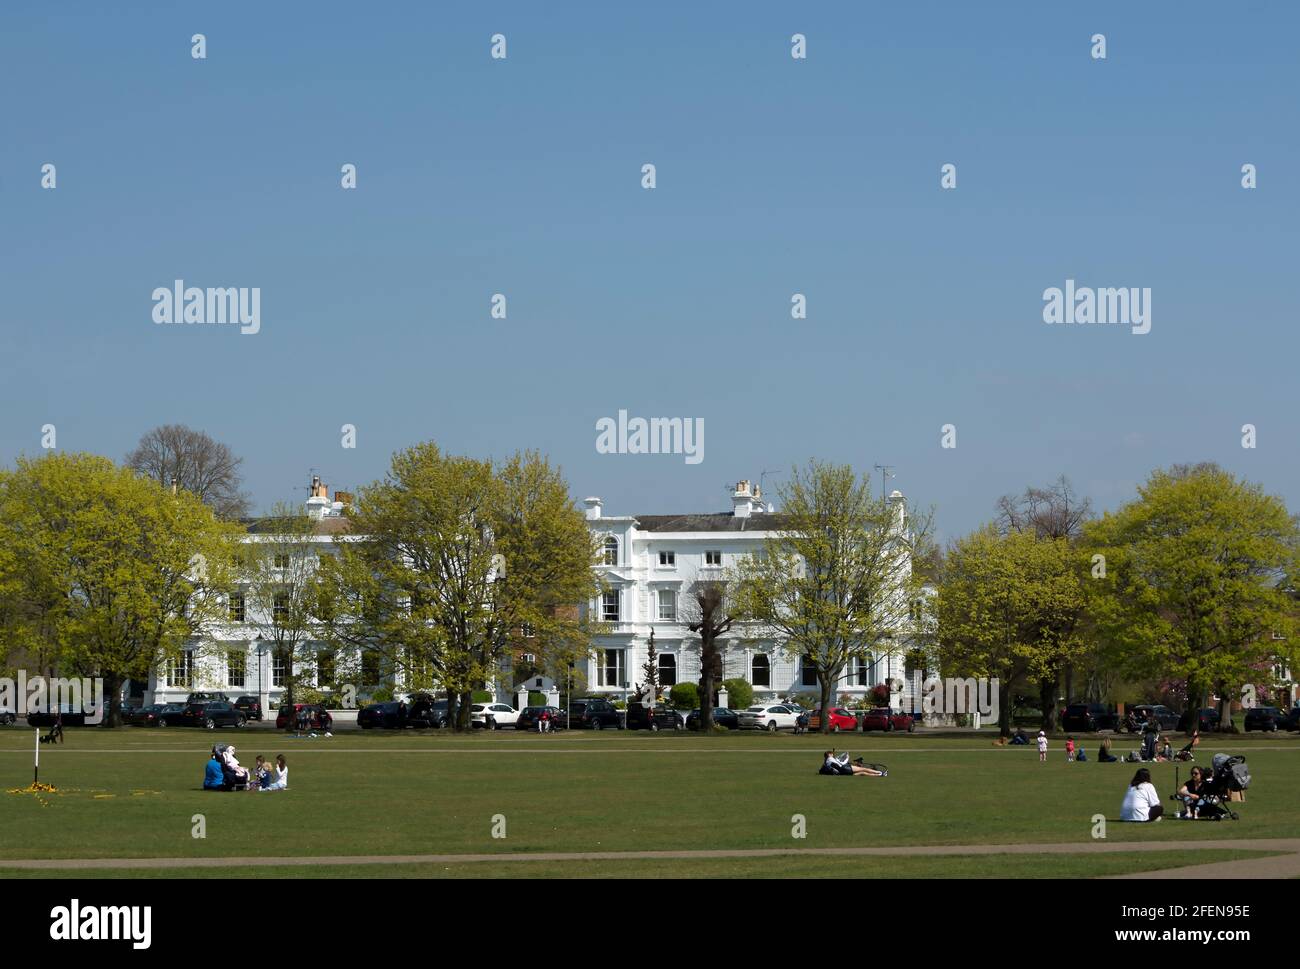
(1228, 775)
(234, 781)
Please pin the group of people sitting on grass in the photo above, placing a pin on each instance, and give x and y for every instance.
(1198, 795)
(225, 773)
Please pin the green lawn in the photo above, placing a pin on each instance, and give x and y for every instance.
(132, 793)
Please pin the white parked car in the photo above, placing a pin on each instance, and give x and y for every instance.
(494, 716)
(773, 716)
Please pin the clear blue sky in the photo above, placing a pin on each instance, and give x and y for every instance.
(775, 176)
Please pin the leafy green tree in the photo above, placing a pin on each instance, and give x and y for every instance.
(1194, 585)
(448, 557)
(1008, 607)
(835, 579)
(105, 573)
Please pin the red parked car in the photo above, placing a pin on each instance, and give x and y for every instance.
(883, 718)
(840, 719)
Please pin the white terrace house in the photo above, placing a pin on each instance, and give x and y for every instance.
(235, 658)
(650, 564)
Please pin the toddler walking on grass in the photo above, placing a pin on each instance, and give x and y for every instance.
(1042, 747)
(1069, 750)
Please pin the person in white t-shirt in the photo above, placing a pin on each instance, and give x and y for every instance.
(1042, 747)
(281, 781)
(1141, 802)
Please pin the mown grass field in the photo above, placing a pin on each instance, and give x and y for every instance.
(133, 793)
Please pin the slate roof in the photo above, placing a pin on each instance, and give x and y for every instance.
(723, 521)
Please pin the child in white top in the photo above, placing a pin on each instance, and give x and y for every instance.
(1042, 747)
(281, 781)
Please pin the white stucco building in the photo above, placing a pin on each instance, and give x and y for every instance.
(649, 565)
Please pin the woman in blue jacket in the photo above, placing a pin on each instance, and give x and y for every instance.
(213, 778)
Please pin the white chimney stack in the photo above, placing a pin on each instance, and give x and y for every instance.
(743, 500)
(594, 508)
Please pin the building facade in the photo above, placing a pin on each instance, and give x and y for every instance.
(649, 565)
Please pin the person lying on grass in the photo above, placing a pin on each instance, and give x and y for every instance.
(839, 764)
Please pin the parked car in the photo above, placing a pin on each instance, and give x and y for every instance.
(643, 717)
(318, 718)
(594, 712)
(249, 706)
(722, 717)
(772, 717)
(493, 716)
(1207, 720)
(207, 698)
(7, 717)
(1263, 718)
(839, 717)
(1291, 720)
(382, 716)
(148, 716)
(529, 716)
(883, 718)
(396, 715)
(211, 715)
(1168, 719)
(1088, 718)
(73, 716)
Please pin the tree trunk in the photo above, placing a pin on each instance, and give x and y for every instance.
(462, 715)
(113, 707)
(453, 708)
(706, 687)
(1047, 701)
(825, 682)
(1004, 709)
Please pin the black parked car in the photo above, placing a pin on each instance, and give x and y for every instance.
(596, 713)
(1166, 718)
(211, 715)
(395, 715)
(1207, 720)
(1087, 718)
(1290, 720)
(249, 706)
(154, 715)
(643, 717)
(722, 717)
(73, 716)
(528, 718)
(1263, 718)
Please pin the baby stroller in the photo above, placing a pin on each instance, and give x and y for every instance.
(234, 782)
(1228, 774)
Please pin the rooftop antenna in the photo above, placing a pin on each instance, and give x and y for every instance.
(887, 472)
(762, 475)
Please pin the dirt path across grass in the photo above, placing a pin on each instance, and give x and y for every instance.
(1285, 866)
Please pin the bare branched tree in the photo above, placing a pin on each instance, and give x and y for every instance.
(202, 466)
(1051, 512)
(707, 613)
